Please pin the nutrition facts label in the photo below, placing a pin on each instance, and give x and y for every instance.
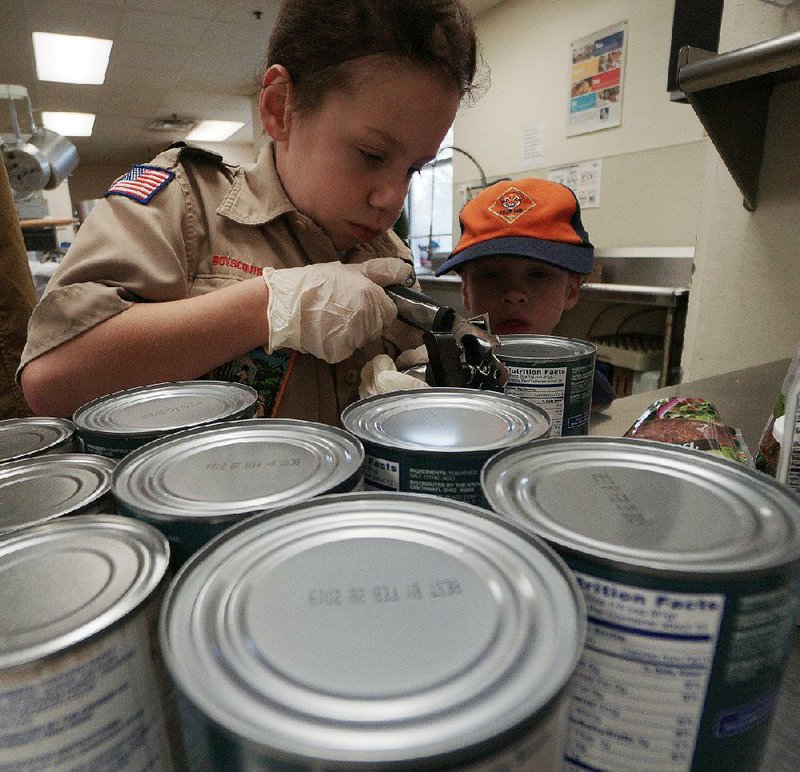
(545, 386)
(640, 643)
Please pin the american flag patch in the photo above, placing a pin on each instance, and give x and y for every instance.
(141, 183)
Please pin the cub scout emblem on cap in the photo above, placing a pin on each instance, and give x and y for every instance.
(141, 183)
(511, 204)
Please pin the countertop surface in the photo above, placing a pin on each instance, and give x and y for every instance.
(744, 399)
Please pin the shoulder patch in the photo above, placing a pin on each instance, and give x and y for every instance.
(141, 183)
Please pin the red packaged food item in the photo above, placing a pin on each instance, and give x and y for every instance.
(693, 423)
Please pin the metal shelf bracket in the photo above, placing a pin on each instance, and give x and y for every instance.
(730, 94)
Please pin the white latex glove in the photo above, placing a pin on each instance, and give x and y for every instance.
(380, 375)
(412, 357)
(331, 309)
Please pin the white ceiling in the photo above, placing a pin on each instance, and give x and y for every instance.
(194, 58)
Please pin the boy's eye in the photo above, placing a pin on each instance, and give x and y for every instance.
(370, 156)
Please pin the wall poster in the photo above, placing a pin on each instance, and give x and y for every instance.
(598, 67)
(583, 179)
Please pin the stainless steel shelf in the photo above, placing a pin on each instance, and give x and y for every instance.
(667, 297)
(730, 94)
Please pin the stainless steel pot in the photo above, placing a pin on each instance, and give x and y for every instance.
(40, 162)
(58, 151)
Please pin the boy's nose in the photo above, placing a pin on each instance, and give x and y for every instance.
(513, 294)
(390, 195)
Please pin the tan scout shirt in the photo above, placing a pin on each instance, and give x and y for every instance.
(210, 226)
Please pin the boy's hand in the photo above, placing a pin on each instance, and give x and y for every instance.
(412, 357)
(330, 309)
(380, 375)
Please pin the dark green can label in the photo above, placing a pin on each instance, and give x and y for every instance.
(451, 475)
(555, 373)
(677, 675)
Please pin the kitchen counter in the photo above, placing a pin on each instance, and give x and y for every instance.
(744, 399)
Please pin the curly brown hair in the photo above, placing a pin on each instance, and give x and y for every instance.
(315, 39)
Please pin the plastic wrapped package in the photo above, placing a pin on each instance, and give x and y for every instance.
(691, 422)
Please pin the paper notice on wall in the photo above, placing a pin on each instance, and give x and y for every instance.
(583, 179)
(532, 145)
(598, 69)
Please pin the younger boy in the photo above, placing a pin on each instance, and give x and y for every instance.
(522, 257)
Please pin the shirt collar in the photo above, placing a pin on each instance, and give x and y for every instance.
(257, 195)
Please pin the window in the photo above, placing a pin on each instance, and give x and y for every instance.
(429, 206)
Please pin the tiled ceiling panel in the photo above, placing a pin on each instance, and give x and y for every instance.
(192, 58)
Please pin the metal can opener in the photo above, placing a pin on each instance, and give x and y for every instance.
(461, 352)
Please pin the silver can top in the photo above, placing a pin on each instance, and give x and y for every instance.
(26, 437)
(373, 628)
(657, 507)
(549, 347)
(164, 407)
(446, 420)
(63, 582)
(33, 490)
(219, 472)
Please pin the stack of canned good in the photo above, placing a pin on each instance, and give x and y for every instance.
(439, 584)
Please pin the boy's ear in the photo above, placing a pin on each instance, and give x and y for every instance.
(574, 282)
(275, 101)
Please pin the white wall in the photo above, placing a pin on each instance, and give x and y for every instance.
(661, 174)
(652, 163)
(744, 308)
(526, 44)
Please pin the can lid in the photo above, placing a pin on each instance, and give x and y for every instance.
(647, 504)
(219, 472)
(23, 437)
(542, 347)
(36, 489)
(64, 581)
(373, 627)
(164, 407)
(446, 420)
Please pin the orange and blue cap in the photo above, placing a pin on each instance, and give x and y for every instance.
(532, 218)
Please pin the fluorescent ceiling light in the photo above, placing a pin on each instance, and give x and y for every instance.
(69, 124)
(214, 131)
(70, 58)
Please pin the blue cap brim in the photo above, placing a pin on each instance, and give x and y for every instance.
(570, 257)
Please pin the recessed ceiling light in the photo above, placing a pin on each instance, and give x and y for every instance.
(214, 131)
(70, 58)
(69, 124)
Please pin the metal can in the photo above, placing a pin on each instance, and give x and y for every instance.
(686, 562)
(38, 436)
(81, 682)
(555, 373)
(116, 424)
(195, 483)
(34, 490)
(372, 631)
(436, 440)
